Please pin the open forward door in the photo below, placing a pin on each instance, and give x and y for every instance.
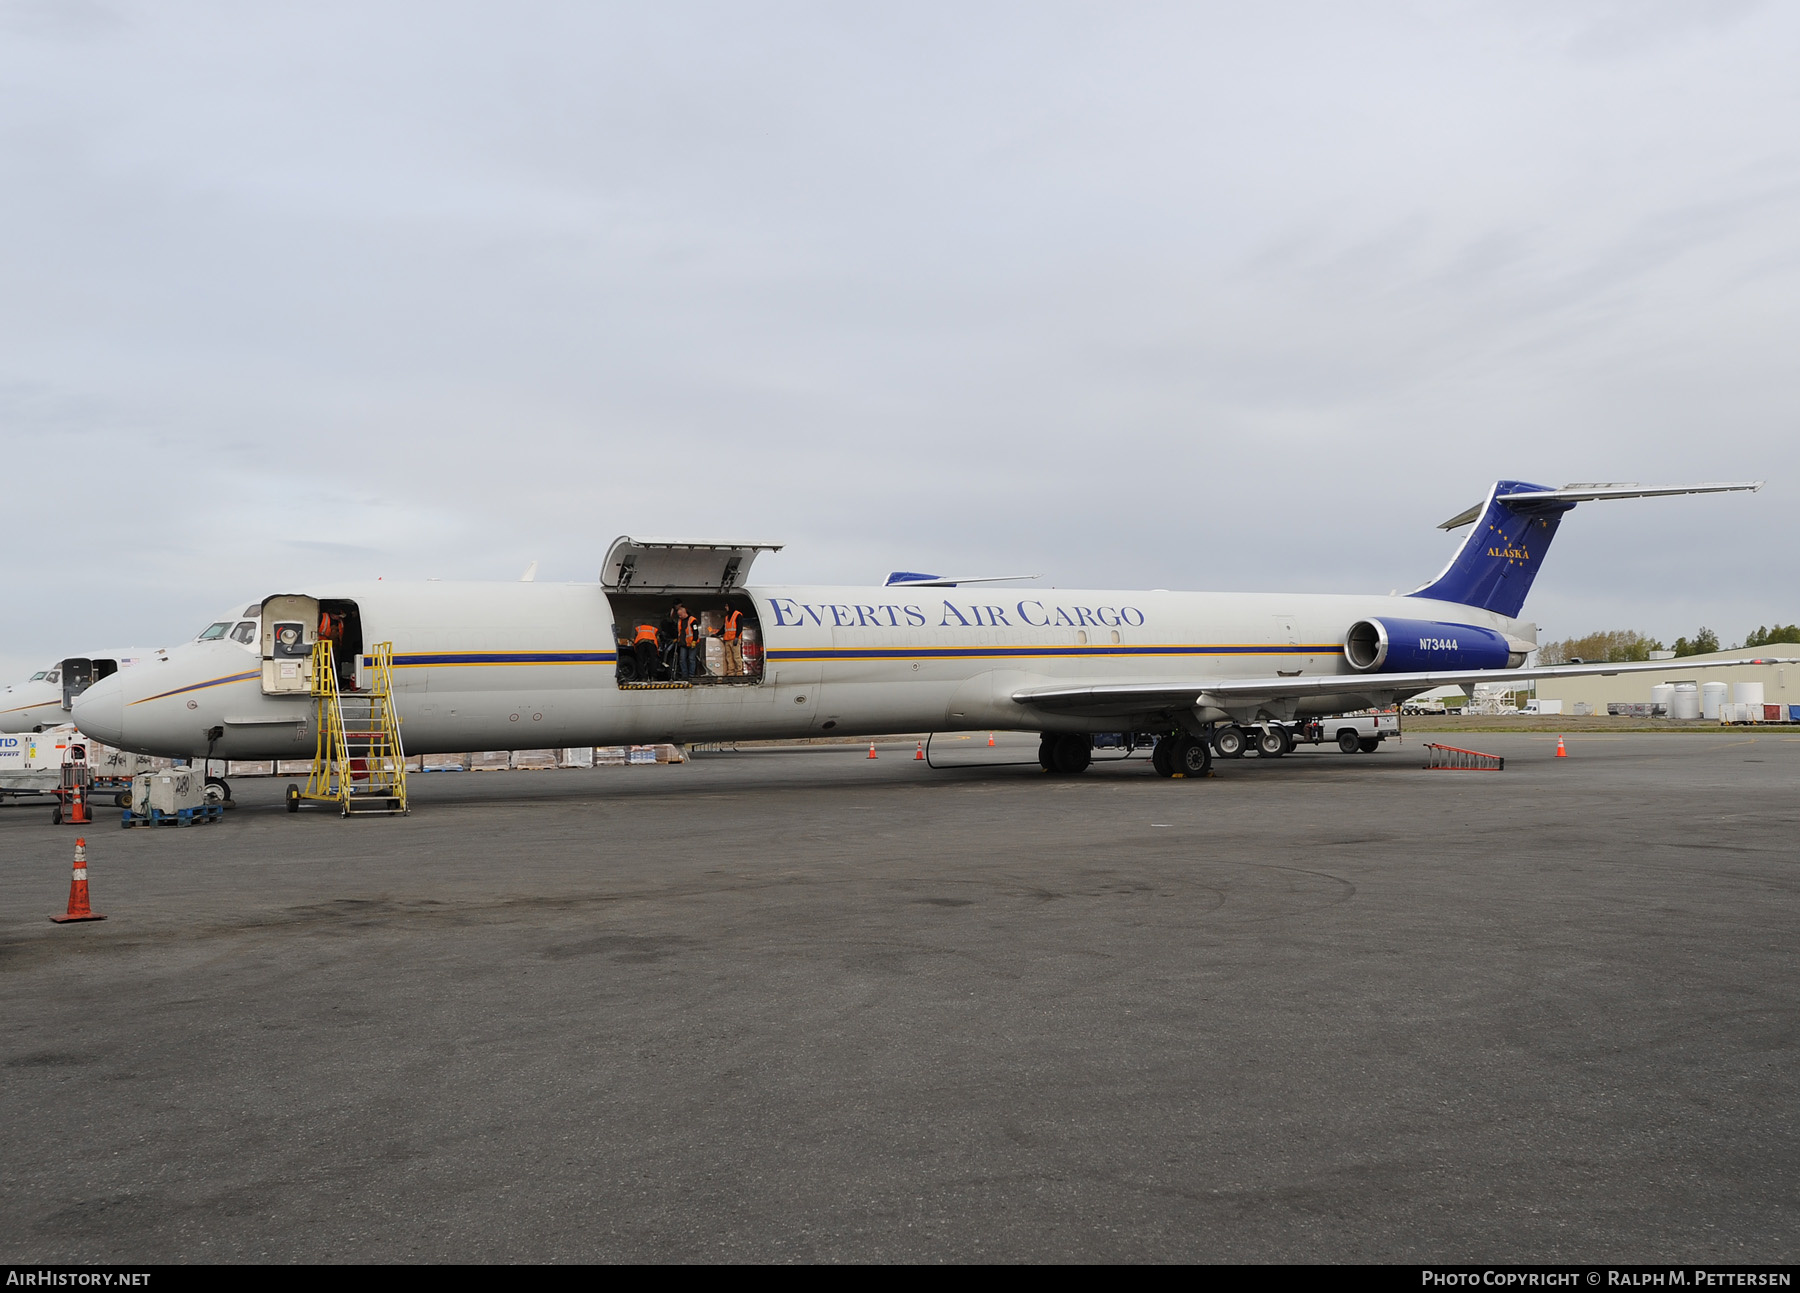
(678, 565)
(681, 617)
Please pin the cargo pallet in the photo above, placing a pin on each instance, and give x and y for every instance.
(180, 817)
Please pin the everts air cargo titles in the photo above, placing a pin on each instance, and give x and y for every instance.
(528, 665)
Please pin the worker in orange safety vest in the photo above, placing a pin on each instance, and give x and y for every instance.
(687, 637)
(734, 646)
(647, 650)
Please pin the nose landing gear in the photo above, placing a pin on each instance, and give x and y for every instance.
(1069, 752)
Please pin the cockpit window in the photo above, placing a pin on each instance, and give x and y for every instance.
(55, 675)
(40, 675)
(245, 632)
(214, 631)
(253, 609)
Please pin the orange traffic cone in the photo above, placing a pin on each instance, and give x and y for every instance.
(78, 896)
(990, 740)
(1561, 750)
(871, 749)
(920, 755)
(71, 798)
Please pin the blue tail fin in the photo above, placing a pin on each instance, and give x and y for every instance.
(1500, 556)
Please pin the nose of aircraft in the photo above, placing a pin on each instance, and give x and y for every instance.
(100, 711)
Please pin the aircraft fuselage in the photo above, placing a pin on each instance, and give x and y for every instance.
(532, 665)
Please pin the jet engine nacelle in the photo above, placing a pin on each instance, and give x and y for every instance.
(1408, 646)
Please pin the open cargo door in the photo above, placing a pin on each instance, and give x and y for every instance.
(77, 677)
(678, 565)
(290, 626)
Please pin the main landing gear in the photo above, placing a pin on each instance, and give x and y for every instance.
(1178, 755)
(1271, 742)
(1181, 755)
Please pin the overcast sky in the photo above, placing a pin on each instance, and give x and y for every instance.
(1188, 296)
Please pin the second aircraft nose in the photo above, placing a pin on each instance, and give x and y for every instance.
(100, 712)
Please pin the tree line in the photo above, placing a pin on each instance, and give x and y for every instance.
(1610, 645)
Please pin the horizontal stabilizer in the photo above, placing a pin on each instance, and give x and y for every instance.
(1590, 492)
(1513, 527)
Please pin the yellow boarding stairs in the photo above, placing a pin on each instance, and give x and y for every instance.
(360, 762)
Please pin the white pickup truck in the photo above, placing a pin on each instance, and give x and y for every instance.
(1352, 733)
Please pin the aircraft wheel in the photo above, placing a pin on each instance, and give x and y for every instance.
(1191, 758)
(1073, 753)
(56, 815)
(122, 799)
(1349, 742)
(1159, 757)
(1287, 740)
(1272, 744)
(1229, 742)
(293, 798)
(1369, 744)
(218, 790)
(1047, 752)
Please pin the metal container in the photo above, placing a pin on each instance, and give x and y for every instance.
(1712, 695)
(1684, 701)
(1747, 693)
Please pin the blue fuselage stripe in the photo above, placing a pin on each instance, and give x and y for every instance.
(956, 653)
(503, 657)
(201, 686)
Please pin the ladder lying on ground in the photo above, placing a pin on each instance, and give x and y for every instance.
(1449, 758)
(360, 762)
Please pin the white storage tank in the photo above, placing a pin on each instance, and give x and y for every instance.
(1747, 693)
(1684, 701)
(1712, 695)
(1663, 694)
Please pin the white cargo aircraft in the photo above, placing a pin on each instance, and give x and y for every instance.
(530, 665)
(44, 700)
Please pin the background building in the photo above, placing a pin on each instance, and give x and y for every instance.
(1781, 683)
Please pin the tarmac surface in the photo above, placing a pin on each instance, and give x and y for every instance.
(800, 1005)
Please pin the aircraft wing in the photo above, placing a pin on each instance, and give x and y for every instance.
(1137, 697)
